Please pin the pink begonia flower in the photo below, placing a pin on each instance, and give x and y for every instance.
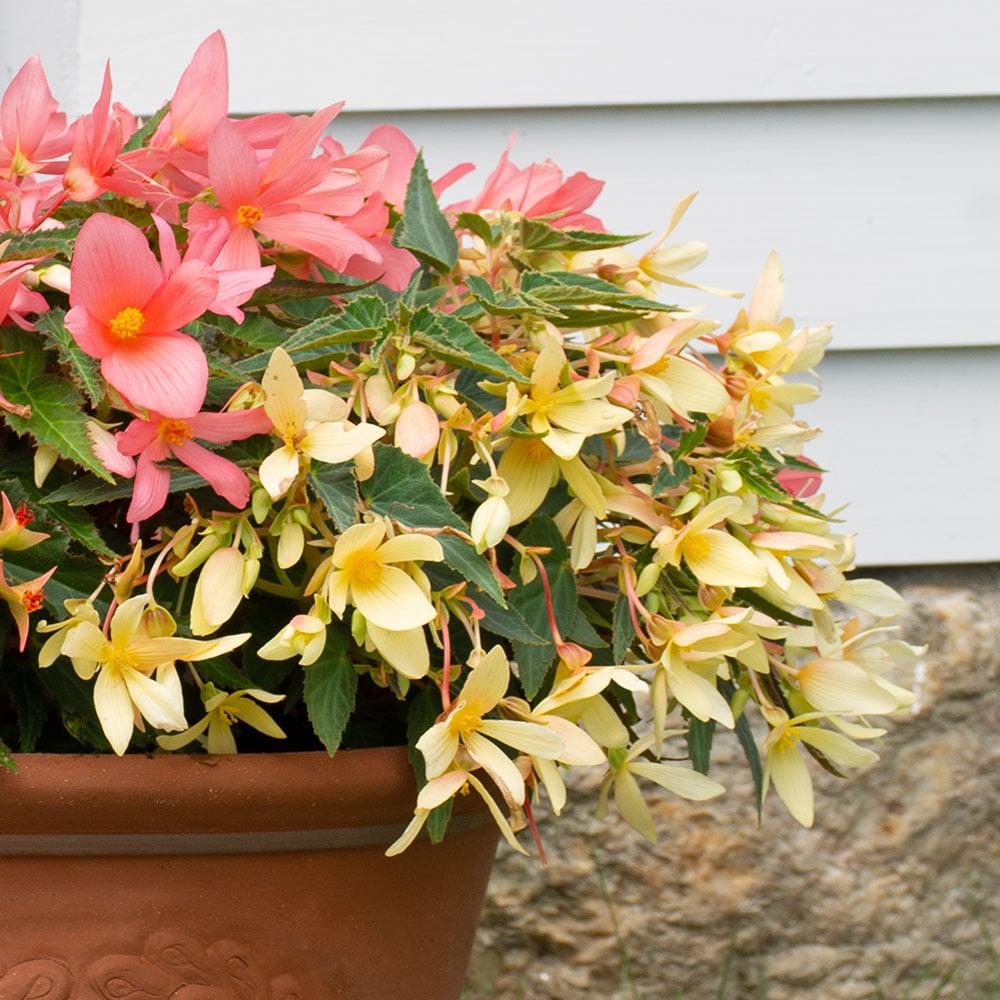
(384, 163)
(15, 299)
(538, 190)
(801, 482)
(200, 101)
(128, 313)
(159, 438)
(283, 199)
(172, 166)
(33, 131)
(235, 285)
(98, 140)
(25, 204)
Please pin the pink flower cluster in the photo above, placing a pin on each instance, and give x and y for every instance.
(245, 197)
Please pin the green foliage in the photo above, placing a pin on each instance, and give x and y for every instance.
(52, 409)
(401, 488)
(330, 690)
(424, 230)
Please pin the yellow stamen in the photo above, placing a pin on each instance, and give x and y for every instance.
(657, 367)
(248, 215)
(127, 325)
(175, 432)
(695, 547)
(362, 568)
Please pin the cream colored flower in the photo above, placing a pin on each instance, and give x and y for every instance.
(714, 556)
(629, 765)
(692, 656)
(136, 673)
(566, 416)
(304, 636)
(311, 423)
(785, 767)
(364, 570)
(222, 711)
(466, 726)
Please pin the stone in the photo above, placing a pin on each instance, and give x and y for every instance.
(893, 893)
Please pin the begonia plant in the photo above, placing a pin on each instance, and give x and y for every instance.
(298, 452)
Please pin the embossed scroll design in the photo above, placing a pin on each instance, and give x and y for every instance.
(173, 965)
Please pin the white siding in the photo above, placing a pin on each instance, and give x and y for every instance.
(398, 54)
(861, 140)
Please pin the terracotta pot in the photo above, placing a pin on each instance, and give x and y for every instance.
(254, 877)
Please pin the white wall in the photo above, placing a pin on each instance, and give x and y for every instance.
(860, 140)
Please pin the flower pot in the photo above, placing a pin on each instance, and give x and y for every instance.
(253, 877)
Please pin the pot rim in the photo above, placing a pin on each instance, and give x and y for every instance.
(178, 794)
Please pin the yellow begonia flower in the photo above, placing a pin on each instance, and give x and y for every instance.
(565, 417)
(309, 422)
(136, 673)
(363, 571)
(222, 711)
(676, 385)
(714, 556)
(438, 791)
(832, 685)
(405, 650)
(785, 767)
(687, 667)
(304, 636)
(466, 726)
(226, 578)
(80, 610)
(627, 766)
(579, 748)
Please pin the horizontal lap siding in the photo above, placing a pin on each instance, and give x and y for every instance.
(859, 140)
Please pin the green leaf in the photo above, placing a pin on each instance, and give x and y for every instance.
(424, 230)
(56, 418)
(330, 689)
(699, 741)
(6, 760)
(530, 601)
(148, 127)
(566, 288)
(479, 226)
(256, 333)
(468, 387)
(41, 242)
(365, 319)
(539, 235)
(449, 339)
(690, 440)
(299, 289)
(506, 622)
(77, 523)
(74, 578)
(623, 629)
(402, 488)
(745, 735)
(24, 689)
(507, 301)
(223, 674)
(87, 490)
(84, 368)
(671, 476)
(337, 487)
